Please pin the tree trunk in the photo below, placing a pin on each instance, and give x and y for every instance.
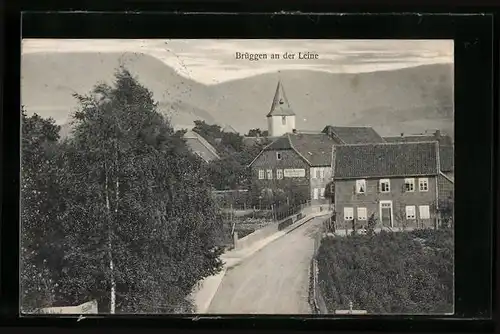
(110, 245)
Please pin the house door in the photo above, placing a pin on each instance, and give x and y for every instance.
(386, 213)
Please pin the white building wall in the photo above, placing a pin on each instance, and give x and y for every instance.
(276, 127)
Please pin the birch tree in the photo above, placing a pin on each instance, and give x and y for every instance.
(140, 218)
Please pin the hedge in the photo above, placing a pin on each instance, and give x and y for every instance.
(399, 272)
(285, 224)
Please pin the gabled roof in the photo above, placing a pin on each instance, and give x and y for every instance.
(386, 160)
(353, 134)
(200, 146)
(280, 106)
(446, 158)
(315, 149)
(229, 129)
(446, 150)
(443, 139)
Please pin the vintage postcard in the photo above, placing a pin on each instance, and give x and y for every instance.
(218, 176)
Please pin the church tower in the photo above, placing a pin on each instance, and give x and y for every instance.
(281, 118)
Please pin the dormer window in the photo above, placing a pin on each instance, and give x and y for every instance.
(283, 120)
(281, 101)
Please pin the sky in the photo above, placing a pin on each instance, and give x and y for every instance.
(212, 61)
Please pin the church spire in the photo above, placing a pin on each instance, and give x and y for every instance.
(280, 106)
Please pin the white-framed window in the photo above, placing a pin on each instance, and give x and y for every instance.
(283, 120)
(322, 193)
(315, 193)
(348, 213)
(318, 173)
(278, 155)
(360, 186)
(279, 174)
(424, 212)
(261, 174)
(409, 185)
(423, 184)
(270, 174)
(321, 173)
(362, 214)
(410, 212)
(385, 185)
(313, 172)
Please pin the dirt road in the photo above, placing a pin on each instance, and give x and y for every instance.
(275, 280)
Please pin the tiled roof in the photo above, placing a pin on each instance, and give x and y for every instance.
(443, 139)
(446, 150)
(280, 143)
(385, 160)
(249, 141)
(446, 158)
(280, 106)
(354, 134)
(200, 146)
(315, 148)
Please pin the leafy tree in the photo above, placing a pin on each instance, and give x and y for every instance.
(257, 132)
(211, 132)
(227, 173)
(39, 208)
(254, 133)
(233, 141)
(139, 223)
(372, 222)
(446, 212)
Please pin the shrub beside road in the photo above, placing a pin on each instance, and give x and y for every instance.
(398, 272)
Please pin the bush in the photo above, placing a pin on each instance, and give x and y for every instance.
(389, 272)
(285, 224)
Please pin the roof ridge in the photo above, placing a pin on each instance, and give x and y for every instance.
(352, 126)
(263, 149)
(390, 143)
(205, 143)
(297, 151)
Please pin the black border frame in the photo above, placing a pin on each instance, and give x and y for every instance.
(474, 129)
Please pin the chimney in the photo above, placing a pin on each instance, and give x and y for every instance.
(402, 134)
(437, 134)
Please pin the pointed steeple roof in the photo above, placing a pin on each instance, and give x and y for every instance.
(280, 106)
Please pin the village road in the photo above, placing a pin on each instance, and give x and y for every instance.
(274, 280)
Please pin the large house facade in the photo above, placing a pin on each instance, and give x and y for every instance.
(296, 163)
(396, 182)
(399, 180)
(300, 162)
